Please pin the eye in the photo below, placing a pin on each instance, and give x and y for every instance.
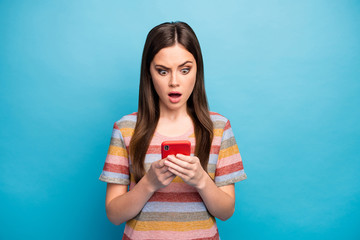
(162, 72)
(185, 70)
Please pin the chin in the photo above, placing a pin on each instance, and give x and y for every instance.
(175, 107)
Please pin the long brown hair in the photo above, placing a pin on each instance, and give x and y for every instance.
(162, 36)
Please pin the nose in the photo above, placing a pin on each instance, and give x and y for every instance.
(173, 80)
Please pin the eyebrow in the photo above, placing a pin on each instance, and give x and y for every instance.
(157, 65)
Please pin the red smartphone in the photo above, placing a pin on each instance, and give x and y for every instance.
(175, 147)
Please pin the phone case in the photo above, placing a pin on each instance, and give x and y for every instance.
(175, 147)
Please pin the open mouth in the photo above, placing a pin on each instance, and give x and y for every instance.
(174, 97)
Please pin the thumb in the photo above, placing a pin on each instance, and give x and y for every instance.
(159, 164)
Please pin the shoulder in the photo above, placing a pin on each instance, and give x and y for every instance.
(219, 120)
(222, 127)
(127, 121)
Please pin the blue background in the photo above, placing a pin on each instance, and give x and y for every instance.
(286, 73)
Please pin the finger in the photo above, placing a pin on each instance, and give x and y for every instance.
(167, 181)
(159, 164)
(178, 168)
(177, 173)
(162, 169)
(179, 162)
(168, 174)
(185, 158)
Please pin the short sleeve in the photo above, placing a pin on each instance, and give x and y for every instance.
(116, 167)
(229, 167)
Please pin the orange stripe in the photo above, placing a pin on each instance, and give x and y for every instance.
(127, 132)
(170, 226)
(212, 175)
(179, 180)
(117, 151)
(228, 151)
(218, 132)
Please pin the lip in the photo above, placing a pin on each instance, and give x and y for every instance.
(174, 99)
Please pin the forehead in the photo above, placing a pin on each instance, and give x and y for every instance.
(174, 55)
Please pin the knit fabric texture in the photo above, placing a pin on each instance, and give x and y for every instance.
(176, 211)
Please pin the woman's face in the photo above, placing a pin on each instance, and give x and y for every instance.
(173, 72)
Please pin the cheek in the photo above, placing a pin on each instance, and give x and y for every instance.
(192, 82)
(159, 88)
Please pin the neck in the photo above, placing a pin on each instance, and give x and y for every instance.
(173, 115)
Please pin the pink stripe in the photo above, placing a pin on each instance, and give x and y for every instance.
(216, 140)
(127, 141)
(157, 140)
(201, 233)
(177, 187)
(118, 160)
(228, 160)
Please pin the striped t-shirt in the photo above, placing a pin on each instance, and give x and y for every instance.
(177, 210)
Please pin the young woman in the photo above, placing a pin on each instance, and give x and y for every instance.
(180, 196)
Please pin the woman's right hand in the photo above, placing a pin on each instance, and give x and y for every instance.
(158, 175)
(123, 205)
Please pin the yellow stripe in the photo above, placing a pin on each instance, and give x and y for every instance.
(212, 175)
(178, 179)
(170, 226)
(127, 132)
(117, 151)
(175, 180)
(218, 132)
(228, 151)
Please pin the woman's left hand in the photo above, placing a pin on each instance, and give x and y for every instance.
(188, 168)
